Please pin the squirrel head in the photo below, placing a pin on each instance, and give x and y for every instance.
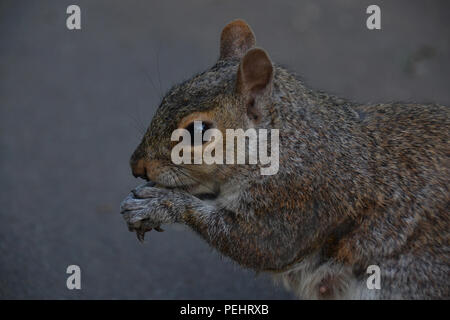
(234, 93)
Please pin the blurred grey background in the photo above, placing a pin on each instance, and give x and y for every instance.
(74, 105)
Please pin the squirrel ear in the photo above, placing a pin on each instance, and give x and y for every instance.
(237, 37)
(255, 73)
(254, 79)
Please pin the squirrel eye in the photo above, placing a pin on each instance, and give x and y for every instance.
(198, 128)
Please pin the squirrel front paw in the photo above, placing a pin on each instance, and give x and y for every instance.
(148, 207)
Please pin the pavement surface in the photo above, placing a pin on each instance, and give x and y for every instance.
(74, 105)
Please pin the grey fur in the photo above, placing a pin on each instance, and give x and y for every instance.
(358, 185)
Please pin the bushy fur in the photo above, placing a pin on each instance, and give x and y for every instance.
(358, 185)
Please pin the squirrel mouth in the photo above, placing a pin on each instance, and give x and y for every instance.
(199, 190)
(202, 191)
(199, 187)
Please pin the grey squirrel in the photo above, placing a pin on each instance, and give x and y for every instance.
(357, 185)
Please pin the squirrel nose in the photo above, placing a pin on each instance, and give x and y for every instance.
(139, 169)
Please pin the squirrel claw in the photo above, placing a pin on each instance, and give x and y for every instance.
(159, 229)
(141, 235)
